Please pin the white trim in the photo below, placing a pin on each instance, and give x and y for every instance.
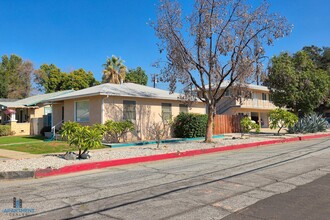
(52, 121)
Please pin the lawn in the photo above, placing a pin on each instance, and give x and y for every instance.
(20, 139)
(35, 145)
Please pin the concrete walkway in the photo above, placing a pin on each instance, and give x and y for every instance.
(16, 155)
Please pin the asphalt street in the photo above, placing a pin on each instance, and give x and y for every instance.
(310, 201)
(212, 186)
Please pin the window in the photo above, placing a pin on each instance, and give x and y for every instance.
(167, 111)
(82, 111)
(183, 108)
(270, 97)
(47, 110)
(264, 96)
(129, 110)
(228, 93)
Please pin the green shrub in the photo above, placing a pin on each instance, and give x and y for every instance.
(280, 118)
(5, 130)
(87, 137)
(247, 125)
(69, 129)
(310, 124)
(190, 125)
(117, 130)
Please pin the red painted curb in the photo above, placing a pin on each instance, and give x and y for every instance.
(103, 164)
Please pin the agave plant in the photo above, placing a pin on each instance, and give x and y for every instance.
(309, 124)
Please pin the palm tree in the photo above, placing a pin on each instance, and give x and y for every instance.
(114, 70)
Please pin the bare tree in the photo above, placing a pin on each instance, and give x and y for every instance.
(220, 40)
(160, 130)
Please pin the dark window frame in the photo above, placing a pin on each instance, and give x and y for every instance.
(167, 115)
(129, 110)
(183, 108)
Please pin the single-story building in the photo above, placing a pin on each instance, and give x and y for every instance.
(142, 105)
(28, 116)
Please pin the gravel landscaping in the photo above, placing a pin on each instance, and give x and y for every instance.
(126, 152)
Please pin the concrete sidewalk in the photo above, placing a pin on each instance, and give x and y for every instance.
(16, 155)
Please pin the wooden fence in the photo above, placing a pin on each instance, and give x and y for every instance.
(227, 124)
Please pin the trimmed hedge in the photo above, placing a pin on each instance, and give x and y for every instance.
(190, 125)
(5, 130)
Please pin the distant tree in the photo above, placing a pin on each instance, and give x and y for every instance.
(225, 41)
(79, 79)
(326, 59)
(320, 56)
(49, 78)
(15, 77)
(114, 70)
(137, 76)
(321, 59)
(296, 83)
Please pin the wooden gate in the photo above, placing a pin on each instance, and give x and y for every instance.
(227, 124)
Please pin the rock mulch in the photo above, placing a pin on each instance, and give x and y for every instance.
(56, 161)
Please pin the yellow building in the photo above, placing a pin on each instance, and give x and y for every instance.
(28, 116)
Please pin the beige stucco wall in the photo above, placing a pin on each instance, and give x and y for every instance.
(36, 115)
(57, 113)
(147, 111)
(95, 109)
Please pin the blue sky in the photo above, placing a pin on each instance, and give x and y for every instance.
(82, 33)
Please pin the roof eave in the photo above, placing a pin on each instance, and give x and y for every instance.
(73, 97)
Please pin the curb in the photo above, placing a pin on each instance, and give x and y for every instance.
(39, 173)
(16, 175)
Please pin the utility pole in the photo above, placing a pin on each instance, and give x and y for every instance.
(154, 79)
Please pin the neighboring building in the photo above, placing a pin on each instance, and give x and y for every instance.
(256, 105)
(142, 105)
(5, 100)
(28, 116)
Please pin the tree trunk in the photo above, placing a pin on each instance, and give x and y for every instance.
(209, 127)
(79, 153)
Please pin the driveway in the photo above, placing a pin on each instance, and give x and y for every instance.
(203, 187)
